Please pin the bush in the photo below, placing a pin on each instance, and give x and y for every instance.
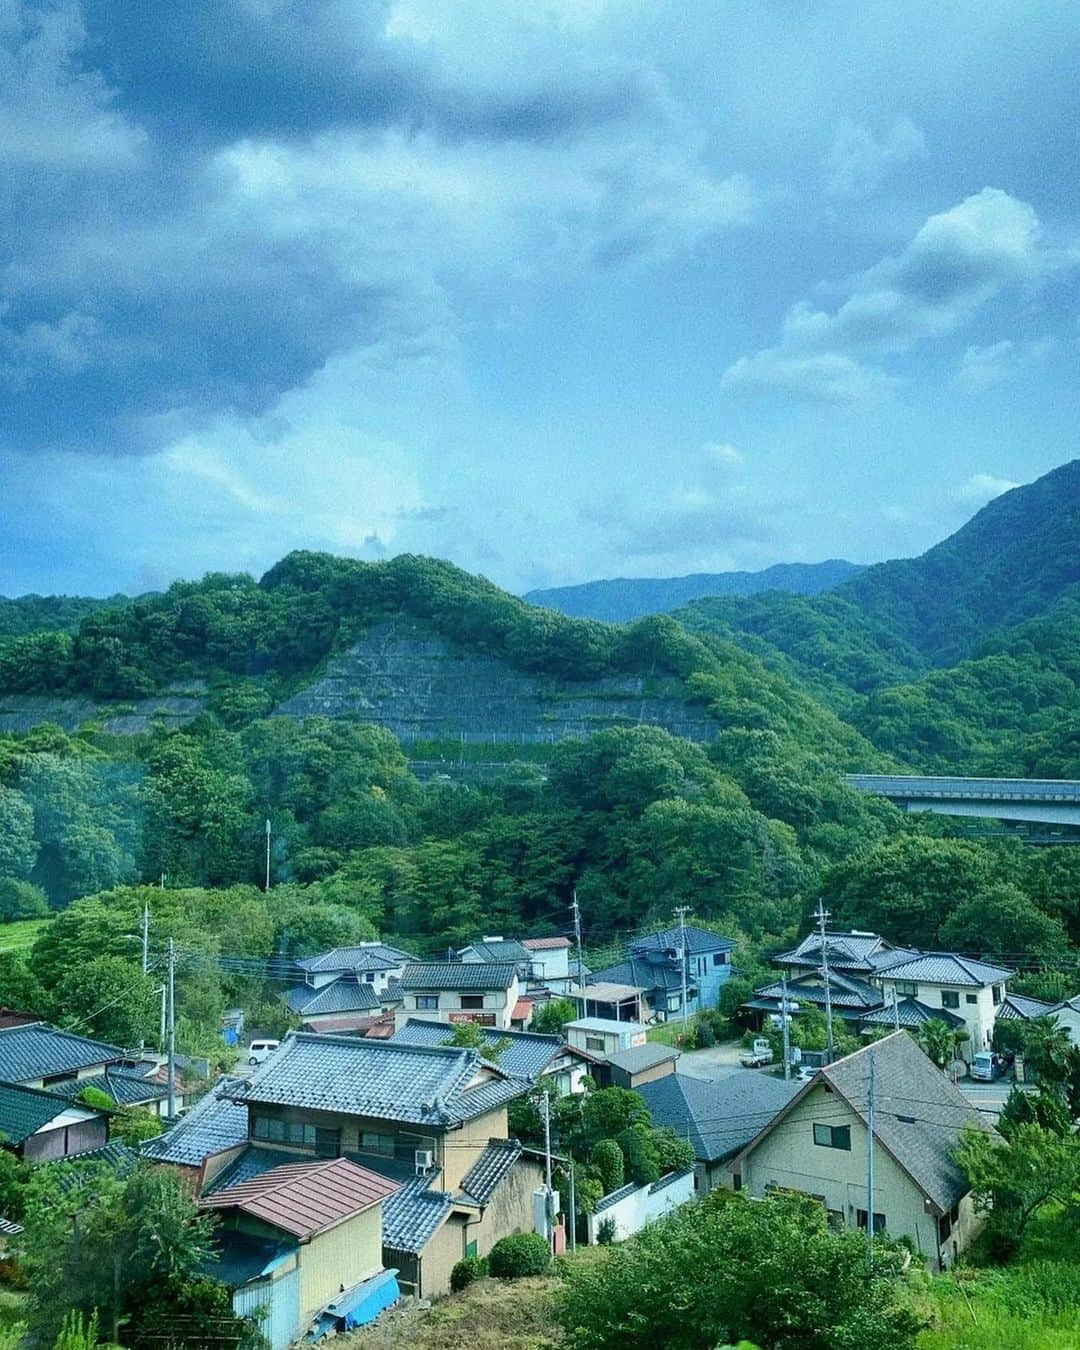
(519, 1254)
(605, 1234)
(607, 1158)
(704, 1034)
(467, 1270)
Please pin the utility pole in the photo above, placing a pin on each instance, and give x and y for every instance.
(573, 1210)
(575, 910)
(549, 1227)
(822, 915)
(870, 1168)
(145, 937)
(267, 887)
(171, 999)
(682, 911)
(895, 1010)
(784, 1019)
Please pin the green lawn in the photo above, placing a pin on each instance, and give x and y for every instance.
(21, 933)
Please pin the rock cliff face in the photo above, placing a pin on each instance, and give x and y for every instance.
(411, 681)
(22, 712)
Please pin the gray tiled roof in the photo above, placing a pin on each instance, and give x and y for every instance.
(642, 974)
(489, 1171)
(640, 1057)
(525, 1054)
(911, 1013)
(718, 1117)
(364, 956)
(499, 949)
(38, 1050)
(844, 991)
(412, 1215)
(24, 1111)
(344, 994)
(698, 941)
(214, 1123)
(947, 968)
(1017, 1007)
(118, 1157)
(384, 1080)
(124, 1088)
(458, 975)
(918, 1112)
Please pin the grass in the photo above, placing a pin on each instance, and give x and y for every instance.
(666, 1033)
(489, 1315)
(22, 933)
(1031, 1304)
(12, 1308)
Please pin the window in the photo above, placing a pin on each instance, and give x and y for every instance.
(327, 1143)
(594, 1043)
(971, 998)
(472, 1000)
(52, 1078)
(950, 998)
(879, 1220)
(833, 1136)
(274, 1130)
(369, 976)
(999, 993)
(944, 1227)
(372, 1141)
(905, 988)
(427, 1001)
(736, 1181)
(719, 958)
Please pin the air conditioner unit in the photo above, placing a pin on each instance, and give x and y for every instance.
(425, 1161)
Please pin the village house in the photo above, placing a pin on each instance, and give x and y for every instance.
(946, 983)
(817, 1145)
(649, 980)
(38, 1055)
(634, 1067)
(602, 1037)
(550, 963)
(301, 1247)
(205, 1139)
(375, 963)
(430, 1117)
(38, 1126)
(519, 1054)
(348, 1003)
(1067, 1014)
(459, 991)
(707, 957)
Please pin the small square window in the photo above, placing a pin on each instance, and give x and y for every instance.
(472, 1001)
(971, 998)
(428, 1002)
(719, 958)
(833, 1136)
(950, 998)
(879, 1220)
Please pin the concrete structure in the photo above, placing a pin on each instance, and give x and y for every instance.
(817, 1145)
(600, 1037)
(631, 1207)
(718, 1117)
(457, 991)
(1048, 801)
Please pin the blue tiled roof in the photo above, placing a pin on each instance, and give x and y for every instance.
(252, 1163)
(344, 994)
(718, 1117)
(365, 956)
(410, 1216)
(1018, 1007)
(384, 1080)
(698, 941)
(213, 1124)
(525, 1054)
(910, 1013)
(124, 1088)
(492, 1167)
(947, 968)
(498, 949)
(114, 1155)
(38, 1050)
(23, 1111)
(458, 975)
(642, 974)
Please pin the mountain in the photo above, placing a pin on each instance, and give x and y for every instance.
(626, 598)
(48, 613)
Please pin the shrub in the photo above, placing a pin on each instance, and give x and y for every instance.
(641, 1154)
(607, 1157)
(467, 1270)
(519, 1254)
(605, 1234)
(704, 1034)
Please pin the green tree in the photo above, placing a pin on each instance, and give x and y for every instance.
(1002, 922)
(642, 1156)
(607, 1158)
(21, 900)
(110, 998)
(1012, 1180)
(550, 1017)
(727, 1269)
(938, 1041)
(18, 846)
(1045, 1108)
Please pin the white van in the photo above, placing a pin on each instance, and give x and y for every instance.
(260, 1050)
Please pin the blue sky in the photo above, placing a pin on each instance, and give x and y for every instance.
(558, 290)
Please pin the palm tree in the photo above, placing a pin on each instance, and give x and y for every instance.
(937, 1040)
(1046, 1049)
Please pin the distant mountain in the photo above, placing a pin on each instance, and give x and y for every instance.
(626, 598)
(48, 613)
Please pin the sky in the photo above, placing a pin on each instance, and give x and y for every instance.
(557, 290)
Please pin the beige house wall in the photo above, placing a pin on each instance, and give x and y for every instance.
(788, 1159)
(343, 1255)
(497, 1002)
(462, 1147)
(978, 1017)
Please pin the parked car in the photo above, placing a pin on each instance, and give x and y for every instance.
(987, 1066)
(760, 1053)
(260, 1050)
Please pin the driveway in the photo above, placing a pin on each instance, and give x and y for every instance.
(718, 1061)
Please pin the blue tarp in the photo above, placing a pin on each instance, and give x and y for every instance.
(362, 1304)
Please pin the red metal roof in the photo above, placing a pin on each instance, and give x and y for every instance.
(305, 1198)
(545, 944)
(522, 1010)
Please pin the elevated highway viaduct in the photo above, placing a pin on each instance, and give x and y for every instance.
(1045, 801)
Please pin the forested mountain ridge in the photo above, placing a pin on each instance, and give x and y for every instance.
(48, 613)
(622, 599)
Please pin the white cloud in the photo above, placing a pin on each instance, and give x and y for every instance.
(982, 367)
(981, 488)
(858, 161)
(823, 377)
(957, 261)
(720, 452)
(686, 520)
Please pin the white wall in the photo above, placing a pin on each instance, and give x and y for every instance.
(644, 1204)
